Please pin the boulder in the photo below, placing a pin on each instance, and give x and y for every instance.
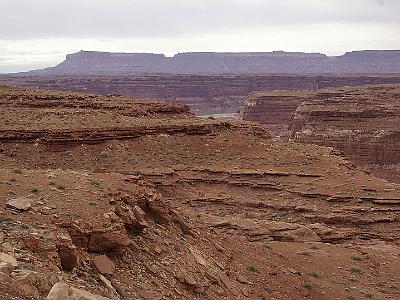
(301, 234)
(6, 258)
(61, 291)
(78, 294)
(105, 238)
(68, 257)
(20, 204)
(108, 239)
(139, 215)
(104, 264)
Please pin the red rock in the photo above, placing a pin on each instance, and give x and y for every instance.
(104, 264)
(139, 215)
(242, 279)
(183, 225)
(113, 237)
(68, 257)
(189, 279)
(227, 283)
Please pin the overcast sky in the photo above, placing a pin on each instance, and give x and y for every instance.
(39, 33)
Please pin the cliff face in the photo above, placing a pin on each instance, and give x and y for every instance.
(363, 122)
(105, 63)
(204, 94)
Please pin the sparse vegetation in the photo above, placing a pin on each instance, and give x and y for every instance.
(95, 182)
(307, 285)
(67, 154)
(60, 187)
(252, 268)
(17, 171)
(34, 190)
(313, 274)
(355, 270)
(357, 257)
(305, 253)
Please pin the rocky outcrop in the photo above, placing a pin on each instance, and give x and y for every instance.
(360, 121)
(87, 118)
(212, 94)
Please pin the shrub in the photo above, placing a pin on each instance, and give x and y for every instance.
(313, 274)
(251, 268)
(355, 270)
(307, 285)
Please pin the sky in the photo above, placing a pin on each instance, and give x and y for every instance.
(39, 33)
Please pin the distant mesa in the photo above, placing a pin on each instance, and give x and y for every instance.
(106, 63)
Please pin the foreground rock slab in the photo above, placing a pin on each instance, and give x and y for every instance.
(20, 204)
(61, 291)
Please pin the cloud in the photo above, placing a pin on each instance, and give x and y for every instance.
(41, 32)
(23, 19)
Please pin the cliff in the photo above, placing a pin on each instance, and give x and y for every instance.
(363, 122)
(204, 94)
(105, 63)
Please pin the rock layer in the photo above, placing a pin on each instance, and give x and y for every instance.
(363, 122)
(226, 213)
(105, 63)
(212, 94)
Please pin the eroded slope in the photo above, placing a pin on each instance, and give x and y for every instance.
(208, 209)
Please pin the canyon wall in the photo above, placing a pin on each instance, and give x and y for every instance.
(363, 122)
(212, 94)
(105, 63)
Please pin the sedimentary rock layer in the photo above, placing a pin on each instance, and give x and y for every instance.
(104, 63)
(222, 213)
(214, 94)
(363, 122)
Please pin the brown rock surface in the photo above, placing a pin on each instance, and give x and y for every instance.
(221, 199)
(21, 203)
(104, 264)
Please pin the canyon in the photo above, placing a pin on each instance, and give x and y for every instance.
(112, 197)
(204, 94)
(363, 122)
(210, 82)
